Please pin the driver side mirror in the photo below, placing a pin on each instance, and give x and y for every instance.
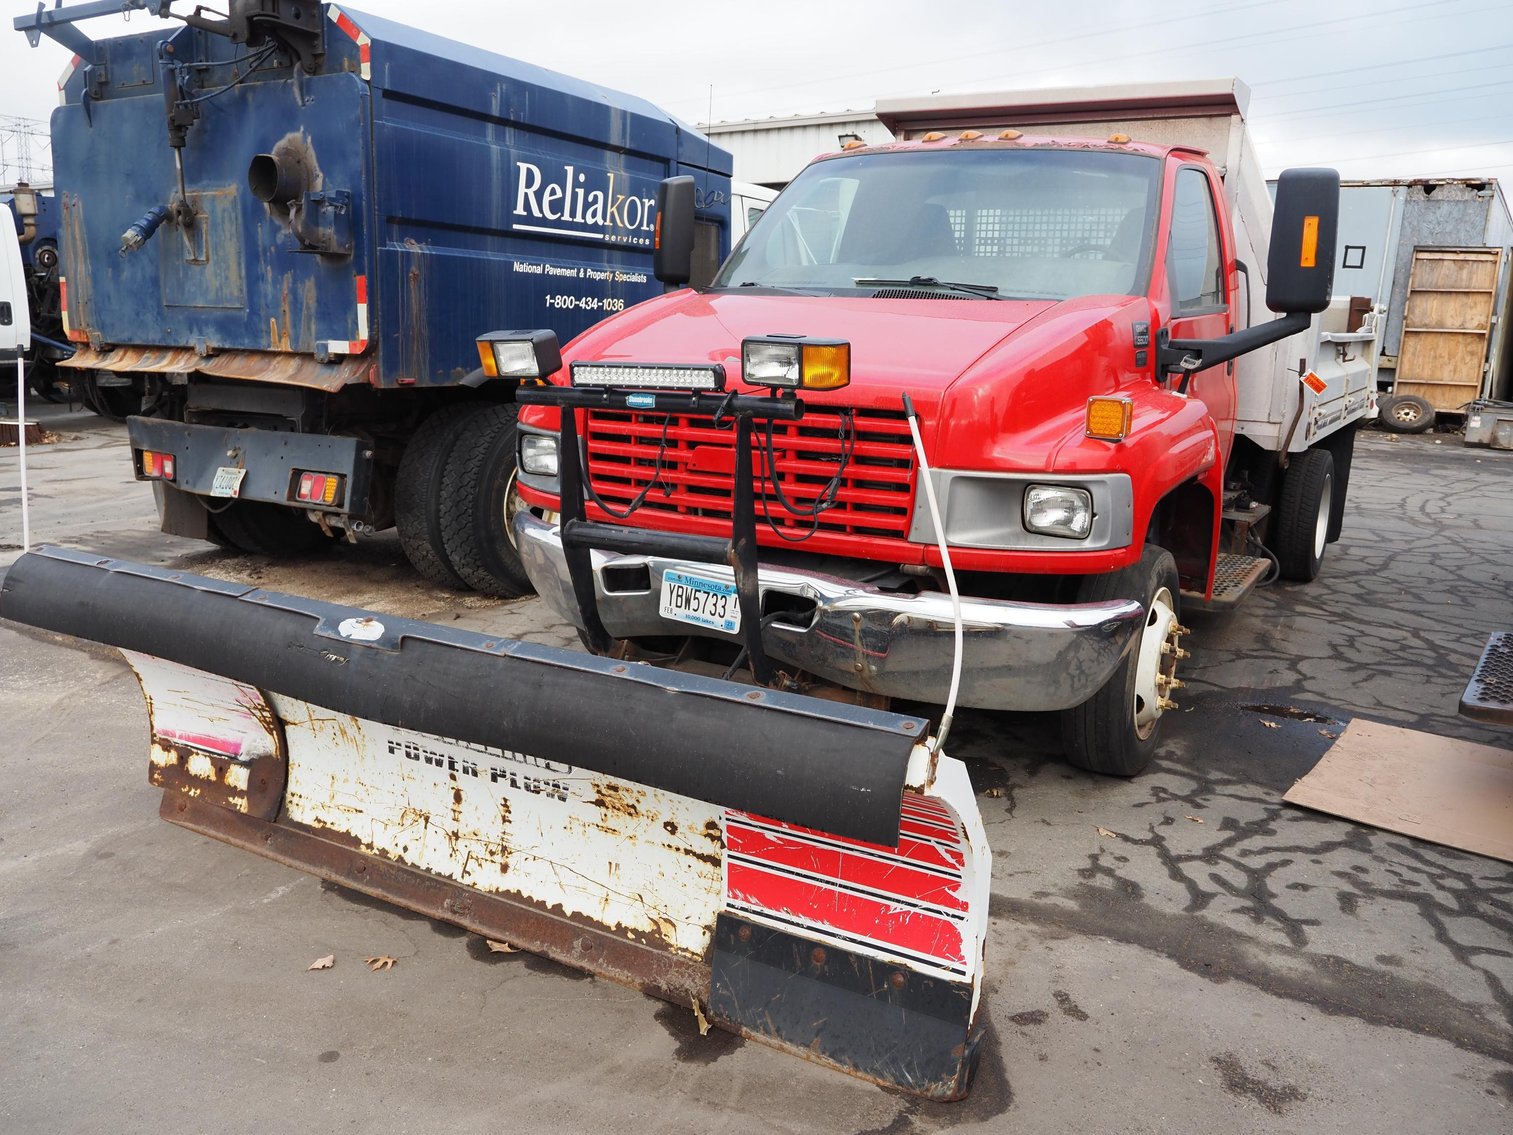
(672, 255)
(1304, 225)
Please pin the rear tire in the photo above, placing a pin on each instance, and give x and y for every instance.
(477, 505)
(1115, 731)
(1341, 446)
(267, 529)
(418, 495)
(114, 403)
(1304, 512)
(1406, 414)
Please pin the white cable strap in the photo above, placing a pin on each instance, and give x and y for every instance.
(945, 559)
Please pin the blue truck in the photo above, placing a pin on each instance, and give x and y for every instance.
(286, 227)
(35, 213)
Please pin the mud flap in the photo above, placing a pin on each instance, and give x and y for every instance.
(806, 873)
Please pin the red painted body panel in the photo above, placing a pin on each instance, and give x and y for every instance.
(1000, 386)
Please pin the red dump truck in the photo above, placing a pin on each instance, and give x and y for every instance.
(1071, 320)
(965, 417)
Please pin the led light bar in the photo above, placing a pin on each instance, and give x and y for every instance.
(641, 376)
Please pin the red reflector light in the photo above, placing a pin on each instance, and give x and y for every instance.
(318, 488)
(158, 466)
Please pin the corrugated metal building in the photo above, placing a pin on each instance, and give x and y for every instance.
(770, 151)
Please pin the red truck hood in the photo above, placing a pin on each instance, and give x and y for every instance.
(918, 346)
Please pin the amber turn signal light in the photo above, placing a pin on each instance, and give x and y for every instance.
(1109, 418)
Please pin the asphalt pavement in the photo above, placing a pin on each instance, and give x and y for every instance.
(1180, 952)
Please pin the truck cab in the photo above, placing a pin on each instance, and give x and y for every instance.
(1029, 356)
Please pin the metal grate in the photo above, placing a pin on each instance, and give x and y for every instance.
(1234, 578)
(1034, 232)
(916, 294)
(697, 467)
(1489, 694)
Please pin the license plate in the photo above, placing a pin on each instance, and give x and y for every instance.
(701, 602)
(228, 482)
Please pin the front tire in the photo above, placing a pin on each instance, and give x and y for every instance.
(477, 505)
(1115, 731)
(1304, 513)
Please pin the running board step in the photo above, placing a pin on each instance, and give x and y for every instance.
(1234, 579)
(1489, 694)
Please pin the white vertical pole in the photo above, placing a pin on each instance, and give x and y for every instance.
(26, 527)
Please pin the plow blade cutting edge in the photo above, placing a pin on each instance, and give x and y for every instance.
(804, 872)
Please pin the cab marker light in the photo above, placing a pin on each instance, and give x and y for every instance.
(1109, 418)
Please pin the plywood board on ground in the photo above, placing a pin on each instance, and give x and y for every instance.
(1433, 788)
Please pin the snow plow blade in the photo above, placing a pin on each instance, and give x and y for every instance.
(801, 872)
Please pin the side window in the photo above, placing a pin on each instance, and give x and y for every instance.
(1194, 255)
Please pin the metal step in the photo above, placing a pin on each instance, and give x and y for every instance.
(1234, 579)
(1489, 694)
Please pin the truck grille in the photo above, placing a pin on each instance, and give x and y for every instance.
(698, 464)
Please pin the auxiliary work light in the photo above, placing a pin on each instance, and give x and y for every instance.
(795, 362)
(519, 354)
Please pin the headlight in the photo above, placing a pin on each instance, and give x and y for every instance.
(1057, 510)
(538, 454)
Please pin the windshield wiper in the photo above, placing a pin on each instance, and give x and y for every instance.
(981, 291)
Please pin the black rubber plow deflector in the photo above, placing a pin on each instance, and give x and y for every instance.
(825, 765)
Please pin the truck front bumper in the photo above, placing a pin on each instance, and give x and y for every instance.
(1016, 656)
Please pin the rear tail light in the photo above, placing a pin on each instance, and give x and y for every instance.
(319, 488)
(157, 466)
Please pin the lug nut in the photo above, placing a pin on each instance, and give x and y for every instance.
(1166, 703)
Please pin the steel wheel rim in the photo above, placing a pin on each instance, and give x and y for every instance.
(512, 505)
(1321, 521)
(1157, 643)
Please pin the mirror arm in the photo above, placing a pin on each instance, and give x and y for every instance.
(1188, 356)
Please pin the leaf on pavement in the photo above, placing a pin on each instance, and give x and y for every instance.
(698, 1015)
(380, 961)
(322, 963)
(1108, 834)
(501, 947)
(1194, 819)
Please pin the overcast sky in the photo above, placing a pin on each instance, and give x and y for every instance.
(1377, 88)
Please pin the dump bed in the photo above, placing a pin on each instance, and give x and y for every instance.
(427, 191)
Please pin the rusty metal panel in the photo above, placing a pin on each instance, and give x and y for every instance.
(212, 739)
(638, 862)
(542, 931)
(255, 366)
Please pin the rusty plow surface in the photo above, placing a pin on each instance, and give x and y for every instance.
(808, 871)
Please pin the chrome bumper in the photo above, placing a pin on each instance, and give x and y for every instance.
(1017, 656)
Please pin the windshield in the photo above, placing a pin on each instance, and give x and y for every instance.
(1009, 224)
